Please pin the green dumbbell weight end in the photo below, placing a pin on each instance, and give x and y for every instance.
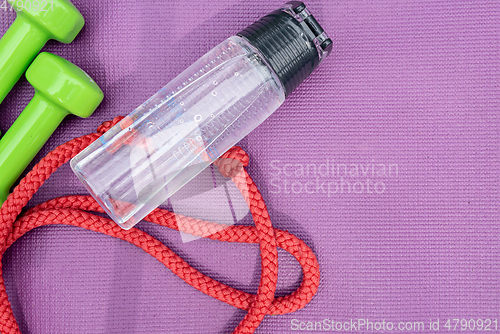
(61, 88)
(33, 27)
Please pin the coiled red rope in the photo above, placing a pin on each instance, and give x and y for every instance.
(74, 210)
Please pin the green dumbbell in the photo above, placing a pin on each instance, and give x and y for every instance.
(59, 20)
(61, 88)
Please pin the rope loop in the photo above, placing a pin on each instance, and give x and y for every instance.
(232, 162)
(76, 211)
(104, 127)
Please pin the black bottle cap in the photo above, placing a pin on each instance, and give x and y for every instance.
(291, 41)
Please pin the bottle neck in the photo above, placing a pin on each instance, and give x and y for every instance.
(293, 44)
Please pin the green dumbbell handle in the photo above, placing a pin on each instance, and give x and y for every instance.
(25, 138)
(18, 47)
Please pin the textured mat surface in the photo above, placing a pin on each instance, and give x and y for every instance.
(385, 162)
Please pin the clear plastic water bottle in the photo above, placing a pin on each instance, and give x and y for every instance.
(203, 112)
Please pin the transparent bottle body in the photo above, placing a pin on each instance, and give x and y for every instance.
(142, 161)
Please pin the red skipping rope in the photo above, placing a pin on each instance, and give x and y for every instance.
(74, 211)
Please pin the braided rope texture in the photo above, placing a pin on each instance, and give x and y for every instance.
(75, 211)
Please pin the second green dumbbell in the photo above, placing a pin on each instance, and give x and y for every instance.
(61, 88)
(33, 27)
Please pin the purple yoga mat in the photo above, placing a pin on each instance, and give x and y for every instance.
(385, 162)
